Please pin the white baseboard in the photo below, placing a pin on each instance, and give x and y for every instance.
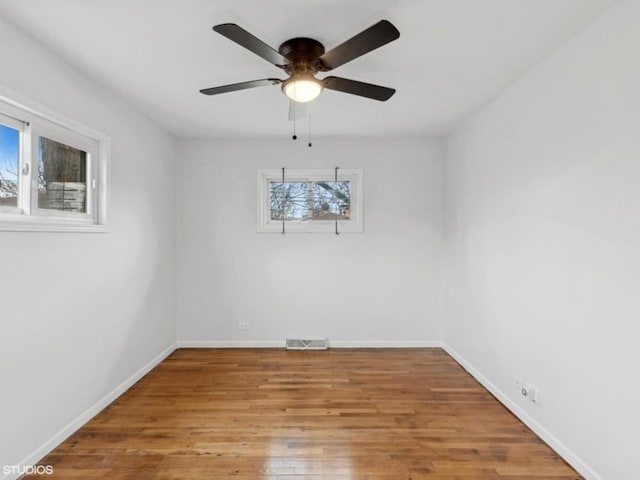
(83, 418)
(332, 344)
(231, 344)
(385, 343)
(565, 452)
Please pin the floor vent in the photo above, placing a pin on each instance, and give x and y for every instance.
(307, 343)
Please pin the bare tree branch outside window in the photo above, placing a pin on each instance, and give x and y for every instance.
(302, 201)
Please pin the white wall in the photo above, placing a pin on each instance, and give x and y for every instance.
(543, 234)
(80, 313)
(380, 287)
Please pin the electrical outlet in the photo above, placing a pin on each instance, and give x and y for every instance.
(529, 392)
(243, 326)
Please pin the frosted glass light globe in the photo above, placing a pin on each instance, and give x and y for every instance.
(302, 88)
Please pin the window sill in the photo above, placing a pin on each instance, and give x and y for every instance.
(302, 227)
(32, 226)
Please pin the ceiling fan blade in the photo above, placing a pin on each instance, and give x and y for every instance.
(240, 86)
(358, 88)
(298, 110)
(240, 36)
(373, 37)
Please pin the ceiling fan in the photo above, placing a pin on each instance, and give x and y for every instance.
(302, 58)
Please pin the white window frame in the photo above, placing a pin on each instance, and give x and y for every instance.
(266, 176)
(33, 122)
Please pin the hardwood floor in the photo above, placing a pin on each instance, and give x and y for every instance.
(338, 414)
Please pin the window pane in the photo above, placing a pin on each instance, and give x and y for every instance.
(62, 176)
(331, 200)
(9, 165)
(289, 200)
(302, 201)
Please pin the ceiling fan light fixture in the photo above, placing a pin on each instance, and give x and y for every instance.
(302, 87)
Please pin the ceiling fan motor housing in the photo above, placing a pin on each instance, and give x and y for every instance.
(303, 53)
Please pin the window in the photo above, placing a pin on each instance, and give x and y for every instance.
(52, 173)
(310, 200)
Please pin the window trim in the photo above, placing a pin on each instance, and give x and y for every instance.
(38, 120)
(266, 176)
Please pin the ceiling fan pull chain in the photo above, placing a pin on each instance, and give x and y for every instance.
(309, 118)
(295, 137)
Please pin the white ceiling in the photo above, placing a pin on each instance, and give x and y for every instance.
(452, 57)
